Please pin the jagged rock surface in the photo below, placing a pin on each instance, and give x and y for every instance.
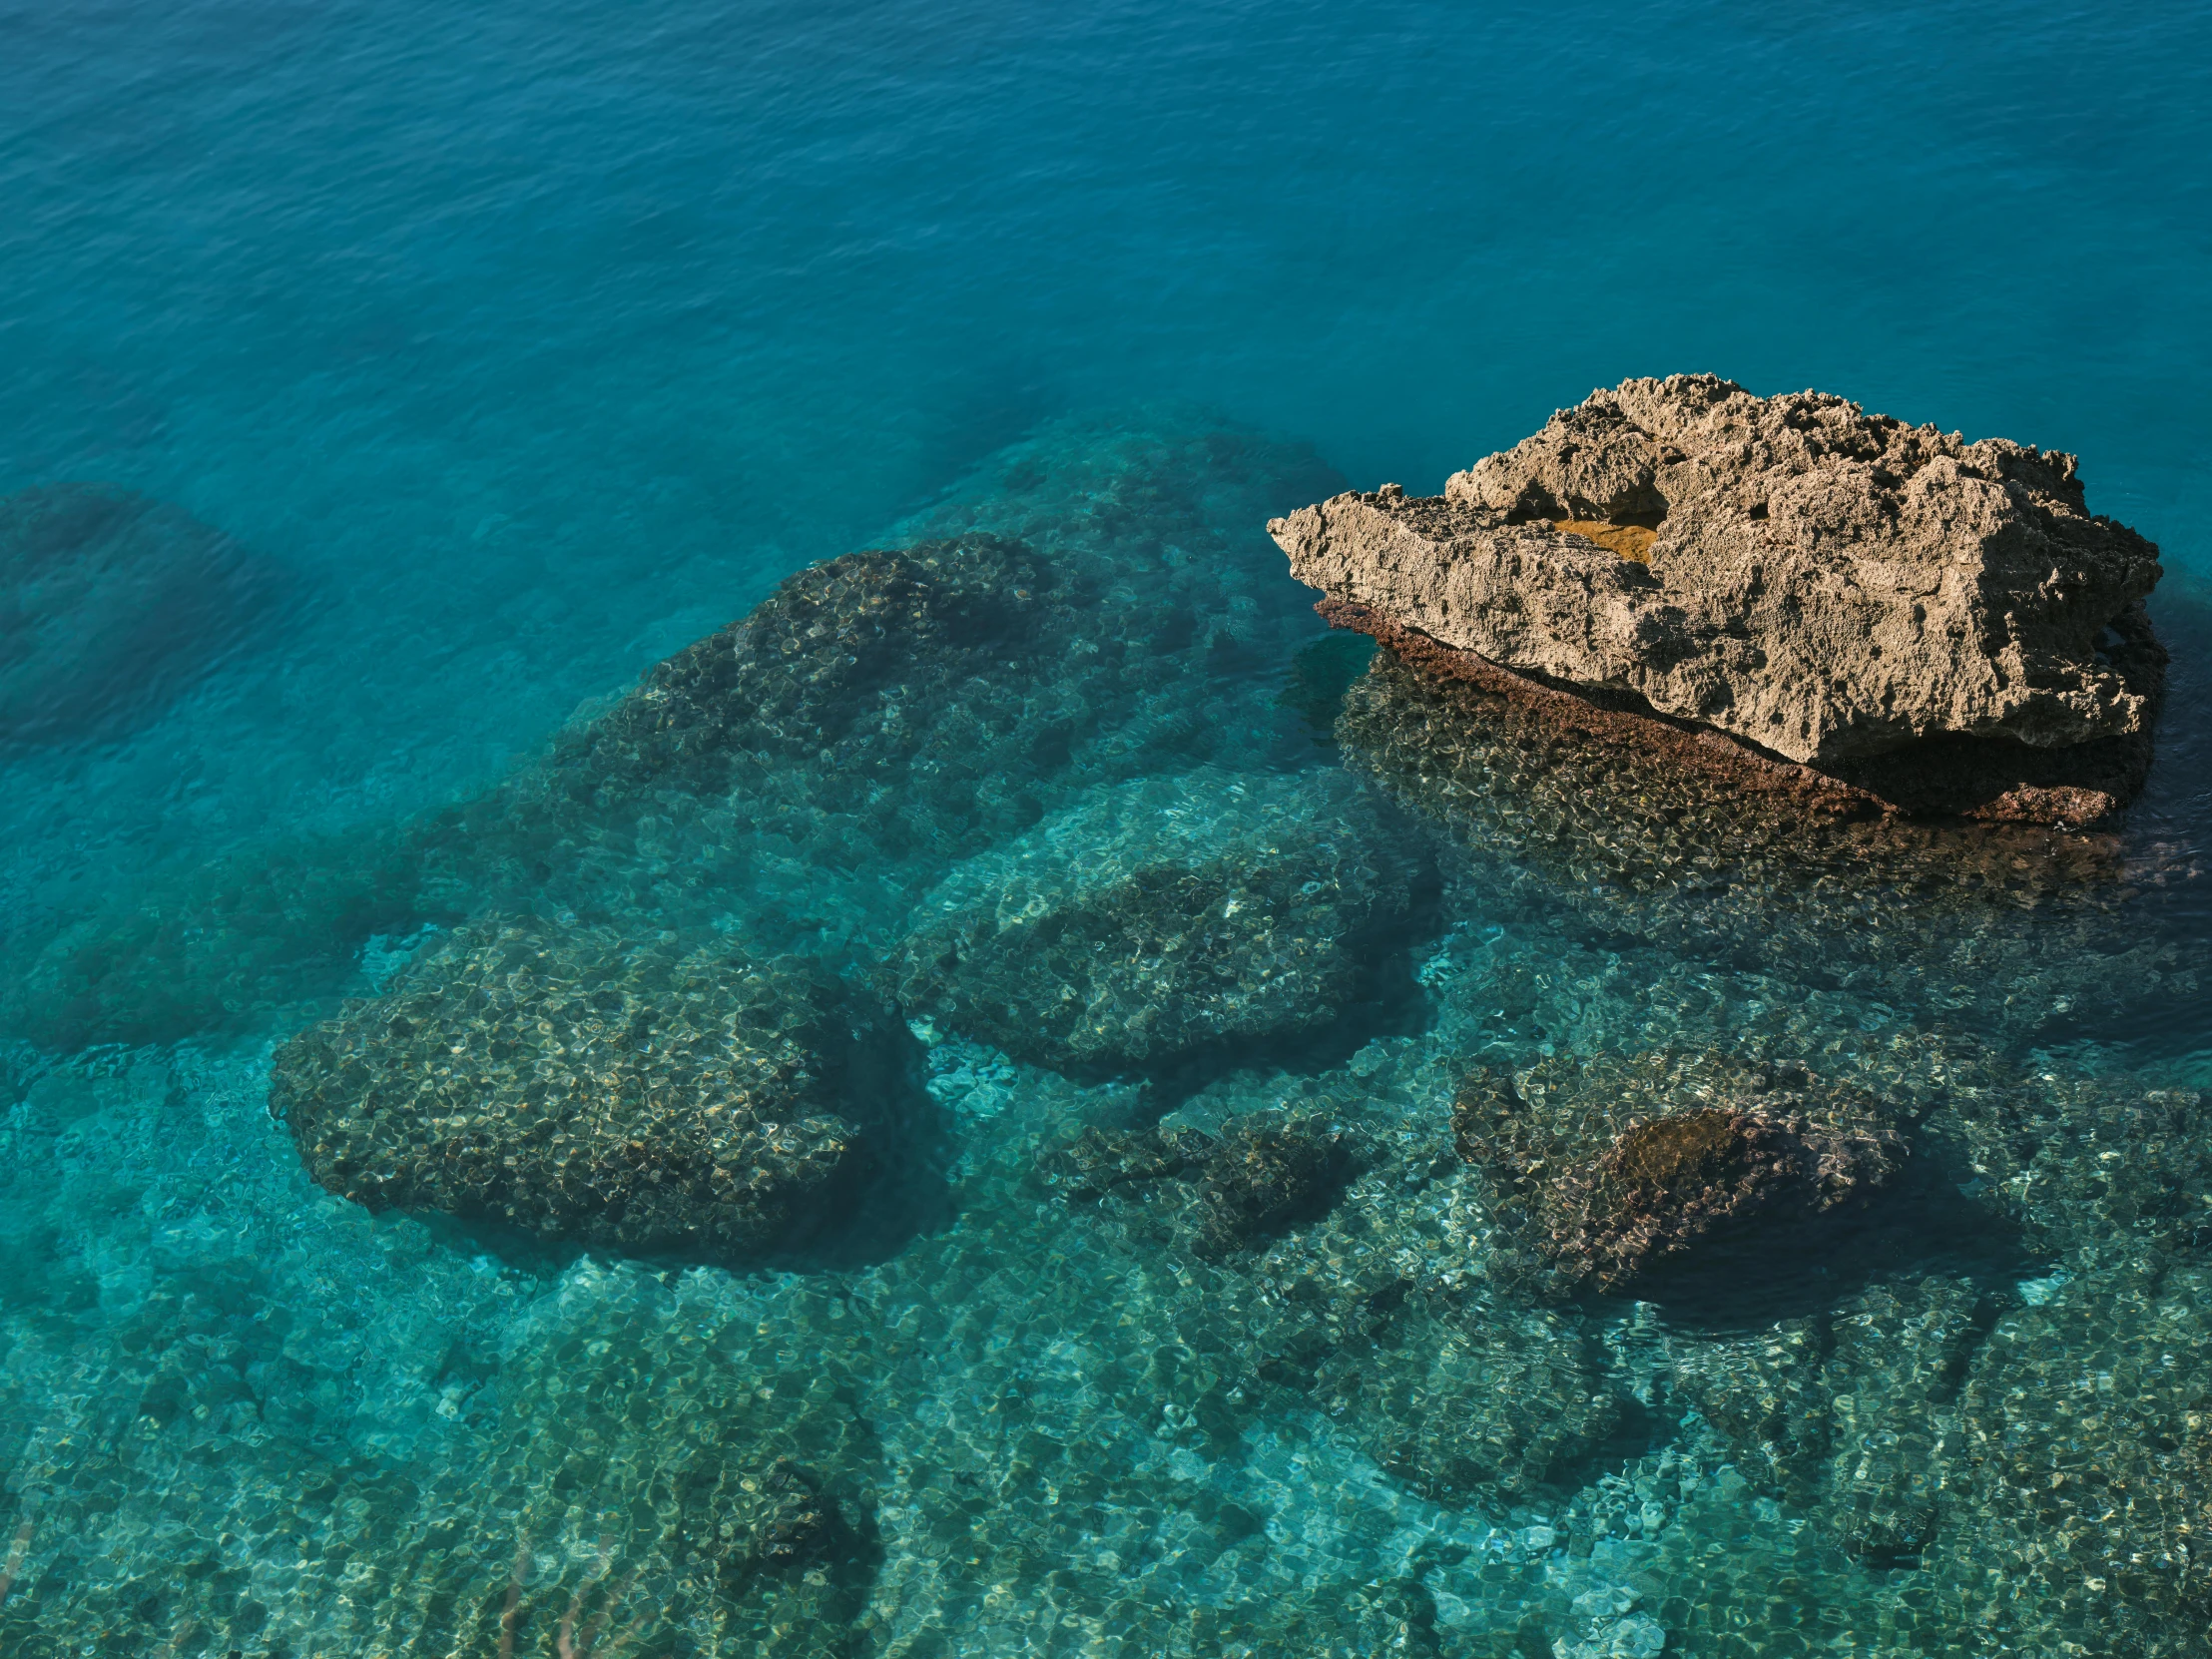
(572, 1084)
(1162, 916)
(1827, 584)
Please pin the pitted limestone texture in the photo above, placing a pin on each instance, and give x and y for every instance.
(1620, 1176)
(1165, 916)
(1824, 583)
(572, 1083)
(110, 605)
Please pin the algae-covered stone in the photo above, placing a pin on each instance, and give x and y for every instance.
(1821, 582)
(1622, 1176)
(579, 1085)
(1164, 916)
(112, 603)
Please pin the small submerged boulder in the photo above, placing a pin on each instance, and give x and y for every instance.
(575, 1084)
(1263, 1174)
(1621, 1176)
(1936, 624)
(1165, 916)
(110, 605)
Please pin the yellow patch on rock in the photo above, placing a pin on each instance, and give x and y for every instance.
(1630, 541)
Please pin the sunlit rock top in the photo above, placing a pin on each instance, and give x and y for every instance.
(1822, 582)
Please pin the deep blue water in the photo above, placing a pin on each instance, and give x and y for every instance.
(518, 346)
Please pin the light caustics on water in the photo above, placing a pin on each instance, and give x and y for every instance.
(1017, 1091)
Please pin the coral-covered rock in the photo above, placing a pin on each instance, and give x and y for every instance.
(1622, 1177)
(1828, 586)
(1164, 916)
(110, 605)
(574, 1084)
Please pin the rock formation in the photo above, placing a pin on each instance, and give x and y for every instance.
(567, 1083)
(1164, 916)
(110, 604)
(1928, 624)
(1623, 1176)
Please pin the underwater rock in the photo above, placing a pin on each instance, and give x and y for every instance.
(843, 668)
(1087, 609)
(1164, 916)
(1934, 626)
(570, 1083)
(707, 1495)
(1264, 1173)
(110, 604)
(1551, 804)
(2074, 1161)
(758, 1523)
(1622, 1176)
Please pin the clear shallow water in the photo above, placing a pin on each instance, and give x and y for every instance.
(522, 348)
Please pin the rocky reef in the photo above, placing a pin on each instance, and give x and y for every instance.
(110, 604)
(1468, 1186)
(1166, 916)
(571, 1083)
(1768, 585)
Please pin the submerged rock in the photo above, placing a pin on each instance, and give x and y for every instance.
(1556, 805)
(1263, 1174)
(1932, 625)
(1845, 1412)
(1162, 916)
(1624, 1177)
(843, 670)
(573, 1084)
(110, 604)
(1088, 608)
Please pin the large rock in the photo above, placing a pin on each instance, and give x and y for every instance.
(1628, 1177)
(1829, 586)
(571, 1083)
(1164, 916)
(110, 604)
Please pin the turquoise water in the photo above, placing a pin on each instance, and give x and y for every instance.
(449, 367)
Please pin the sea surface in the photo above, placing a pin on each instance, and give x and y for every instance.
(385, 387)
